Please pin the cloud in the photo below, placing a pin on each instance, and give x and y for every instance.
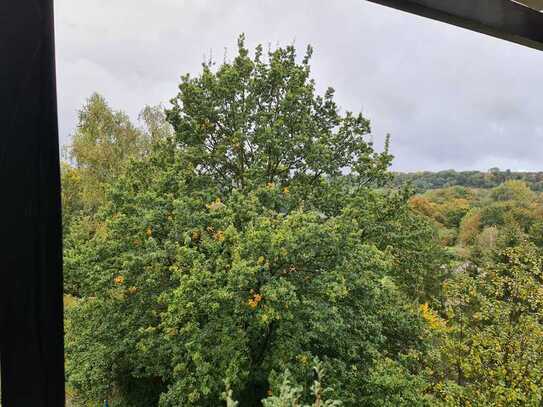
(449, 97)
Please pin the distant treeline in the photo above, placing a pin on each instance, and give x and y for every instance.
(426, 180)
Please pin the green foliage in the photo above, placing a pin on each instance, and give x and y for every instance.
(392, 384)
(467, 218)
(252, 229)
(491, 353)
(257, 120)
(517, 191)
(486, 332)
(102, 144)
(290, 396)
(73, 202)
(235, 249)
(203, 290)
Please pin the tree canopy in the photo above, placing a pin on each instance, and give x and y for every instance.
(248, 246)
(235, 249)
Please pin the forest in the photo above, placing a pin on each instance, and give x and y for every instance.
(248, 246)
(425, 180)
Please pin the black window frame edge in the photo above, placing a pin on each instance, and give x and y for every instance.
(31, 300)
(502, 19)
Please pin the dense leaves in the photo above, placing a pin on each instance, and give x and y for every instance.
(491, 351)
(246, 247)
(235, 249)
(487, 333)
(255, 121)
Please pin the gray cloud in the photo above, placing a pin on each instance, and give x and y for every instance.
(450, 98)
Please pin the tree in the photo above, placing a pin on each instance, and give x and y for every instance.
(491, 353)
(102, 144)
(236, 248)
(254, 121)
(196, 291)
(102, 147)
(470, 227)
(290, 395)
(517, 191)
(73, 203)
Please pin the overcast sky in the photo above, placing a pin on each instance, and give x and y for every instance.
(450, 98)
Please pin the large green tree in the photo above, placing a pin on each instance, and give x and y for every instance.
(237, 249)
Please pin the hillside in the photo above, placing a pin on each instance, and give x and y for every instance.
(426, 180)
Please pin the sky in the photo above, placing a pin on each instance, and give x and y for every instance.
(449, 98)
